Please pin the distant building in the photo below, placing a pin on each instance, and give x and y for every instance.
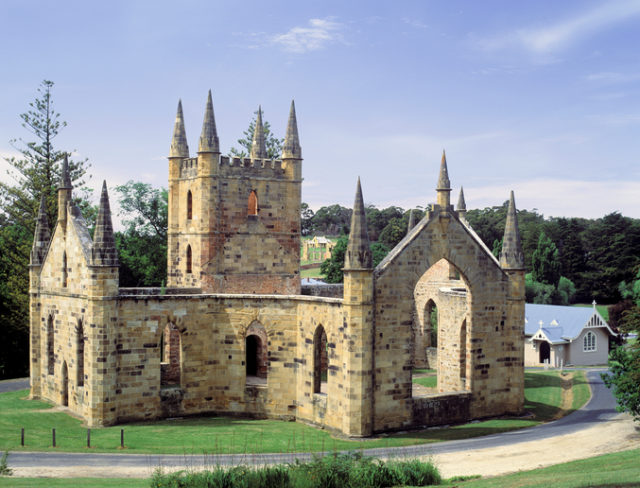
(317, 249)
(561, 335)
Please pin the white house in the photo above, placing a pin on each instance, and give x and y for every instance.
(562, 335)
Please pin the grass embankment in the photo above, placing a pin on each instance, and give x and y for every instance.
(311, 273)
(602, 309)
(618, 469)
(224, 435)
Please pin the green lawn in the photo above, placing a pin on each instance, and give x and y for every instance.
(310, 273)
(428, 381)
(215, 435)
(609, 470)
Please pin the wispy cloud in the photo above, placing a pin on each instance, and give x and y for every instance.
(613, 78)
(559, 36)
(418, 24)
(318, 34)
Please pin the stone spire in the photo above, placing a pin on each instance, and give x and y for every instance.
(103, 252)
(65, 179)
(358, 255)
(258, 146)
(42, 235)
(209, 141)
(444, 185)
(291, 148)
(179, 146)
(511, 256)
(412, 221)
(462, 205)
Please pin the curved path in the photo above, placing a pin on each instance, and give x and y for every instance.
(465, 456)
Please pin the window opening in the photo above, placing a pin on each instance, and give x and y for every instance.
(170, 356)
(253, 203)
(188, 259)
(80, 354)
(589, 342)
(320, 361)
(64, 269)
(189, 205)
(50, 353)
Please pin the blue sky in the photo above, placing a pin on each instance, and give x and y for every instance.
(540, 97)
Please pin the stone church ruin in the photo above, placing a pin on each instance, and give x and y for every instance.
(232, 334)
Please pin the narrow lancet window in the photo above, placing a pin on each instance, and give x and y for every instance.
(189, 259)
(253, 203)
(189, 205)
(320, 361)
(50, 353)
(80, 354)
(64, 269)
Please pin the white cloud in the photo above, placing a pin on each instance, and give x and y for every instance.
(317, 35)
(611, 78)
(559, 36)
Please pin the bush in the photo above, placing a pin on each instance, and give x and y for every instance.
(337, 471)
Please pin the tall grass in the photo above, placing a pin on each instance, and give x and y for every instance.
(335, 471)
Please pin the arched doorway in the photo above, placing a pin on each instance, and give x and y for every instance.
(64, 392)
(545, 352)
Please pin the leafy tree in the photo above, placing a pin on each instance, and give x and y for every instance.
(393, 233)
(566, 290)
(273, 144)
(142, 247)
(332, 268)
(546, 262)
(306, 219)
(378, 252)
(624, 361)
(332, 220)
(34, 173)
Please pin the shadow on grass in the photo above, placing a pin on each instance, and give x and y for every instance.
(542, 380)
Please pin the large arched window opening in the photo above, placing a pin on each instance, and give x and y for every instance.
(256, 363)
(80, 354)
(589, 342)
(189, 262)
(50, 350)
(64, 269)
(253, 203)
(189, 205)
(320, 361)
(170, 356)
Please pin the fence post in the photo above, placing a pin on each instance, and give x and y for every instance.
(88, 437)
(22, 437)
(122, 438)
(53, 436)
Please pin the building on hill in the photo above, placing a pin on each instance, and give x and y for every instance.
(560, 335)
(233, 334)
(317, 249)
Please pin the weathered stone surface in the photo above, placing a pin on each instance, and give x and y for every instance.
(231, 333)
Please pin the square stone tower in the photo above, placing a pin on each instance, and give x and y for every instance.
(234, 224)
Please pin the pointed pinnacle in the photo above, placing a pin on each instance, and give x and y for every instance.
(179, 146)
(104, 244)
(209, 141)
(358, 255)
(42, 234)
(291, 148)
(65, 179)
(443, 178)
(258, 145)
(462, 205)
(412, 222)
(511, 256)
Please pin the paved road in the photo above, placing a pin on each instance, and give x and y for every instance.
(13, 385)
(600, 408)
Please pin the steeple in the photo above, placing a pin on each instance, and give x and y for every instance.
(42, 235)
(358, 255)
(462, 205)
(511, 256)
(258, 146)
(412, 222)
(209, 141)
(104, 251)
(291, 148)
(444, 185)
(179, 146)
(65, 179)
